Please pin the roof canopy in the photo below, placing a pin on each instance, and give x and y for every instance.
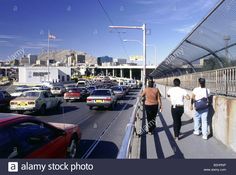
(210, 45)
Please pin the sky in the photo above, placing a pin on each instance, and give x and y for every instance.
(83, 25)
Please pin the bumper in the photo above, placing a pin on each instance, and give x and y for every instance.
(21, 108)
(100, 104)
(71, 98)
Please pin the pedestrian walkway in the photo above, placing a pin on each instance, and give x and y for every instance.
(162, 144)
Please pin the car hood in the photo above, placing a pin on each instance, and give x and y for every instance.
(63, 126)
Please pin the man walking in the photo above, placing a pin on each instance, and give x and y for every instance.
(177, 96)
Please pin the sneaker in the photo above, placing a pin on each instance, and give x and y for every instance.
(204, 137)
(176, 138)
(196, 133)
(150, 133)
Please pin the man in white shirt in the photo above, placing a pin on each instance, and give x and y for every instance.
(177, 95)
(200, 117)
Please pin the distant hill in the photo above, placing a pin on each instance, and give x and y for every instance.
(62, 55)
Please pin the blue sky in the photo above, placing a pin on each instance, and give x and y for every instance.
(82, 25)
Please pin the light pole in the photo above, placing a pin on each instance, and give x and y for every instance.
(149, 45)
(143, 28)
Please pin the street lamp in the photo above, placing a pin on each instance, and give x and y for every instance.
(149, 45)
(143, 28)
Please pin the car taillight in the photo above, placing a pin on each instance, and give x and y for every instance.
(107, 99)
(89, 99)
(31, 103)
(13, 103)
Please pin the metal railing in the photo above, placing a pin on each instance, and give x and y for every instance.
(220, 82)
(133, 129)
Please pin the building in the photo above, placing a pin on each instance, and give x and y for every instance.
(104, 59)
(24, 61)
(41, 63)
(32, 59)
(38, 75)
(80, 59)
(120, 61)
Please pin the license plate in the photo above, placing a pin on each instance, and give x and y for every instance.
(98, 101)
(23, 104)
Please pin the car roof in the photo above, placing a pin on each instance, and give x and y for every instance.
(7, 117)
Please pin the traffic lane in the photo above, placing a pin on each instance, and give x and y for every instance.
(102, 135)
(71, 113)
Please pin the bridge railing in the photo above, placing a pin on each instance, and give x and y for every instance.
(133, 130)
(220, 82)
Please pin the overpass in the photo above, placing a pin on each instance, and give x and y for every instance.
(208, 51)
(126, 71)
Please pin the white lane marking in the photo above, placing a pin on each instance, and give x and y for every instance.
(96, 142)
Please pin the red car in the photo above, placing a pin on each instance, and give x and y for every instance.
(28, 137)
(73, 94)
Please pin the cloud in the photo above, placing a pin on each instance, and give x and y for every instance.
(174, 10)
(8, 36)
(143, 2)
(37, 45)
(185, 29)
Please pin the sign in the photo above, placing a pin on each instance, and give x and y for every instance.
(136, 58)
(39, 74)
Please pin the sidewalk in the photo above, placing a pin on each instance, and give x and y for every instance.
(162, 145)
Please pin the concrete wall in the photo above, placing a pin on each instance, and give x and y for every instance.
(222, 117)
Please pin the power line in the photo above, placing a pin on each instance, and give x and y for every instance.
(110, 20)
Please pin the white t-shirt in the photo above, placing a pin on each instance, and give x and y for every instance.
(200, 93)
(177, 95)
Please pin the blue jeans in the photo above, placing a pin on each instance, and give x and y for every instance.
(200, 119)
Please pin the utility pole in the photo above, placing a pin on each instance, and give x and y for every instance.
(143, 28)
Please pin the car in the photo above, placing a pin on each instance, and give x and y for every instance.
(82, 82)
(19, 92)
(58, 90)
(40, 87)
(91, 89)
(126, 89)
(22, 87)
(27, 137)
(70, 86)
(119, 91)
(35, 101)
(102, 98)
(132, 84)
(84, 93)
(72, 94)
(5, 99)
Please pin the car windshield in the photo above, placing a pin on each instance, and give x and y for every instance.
(117, 88)
(101, 93)
(21, 90)
(30, 94)
(56, 88)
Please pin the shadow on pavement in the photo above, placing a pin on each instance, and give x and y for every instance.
(128, 98)
(186, 134)
(177, 152)
(103, 150)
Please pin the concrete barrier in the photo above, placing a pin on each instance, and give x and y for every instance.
(222, 117)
